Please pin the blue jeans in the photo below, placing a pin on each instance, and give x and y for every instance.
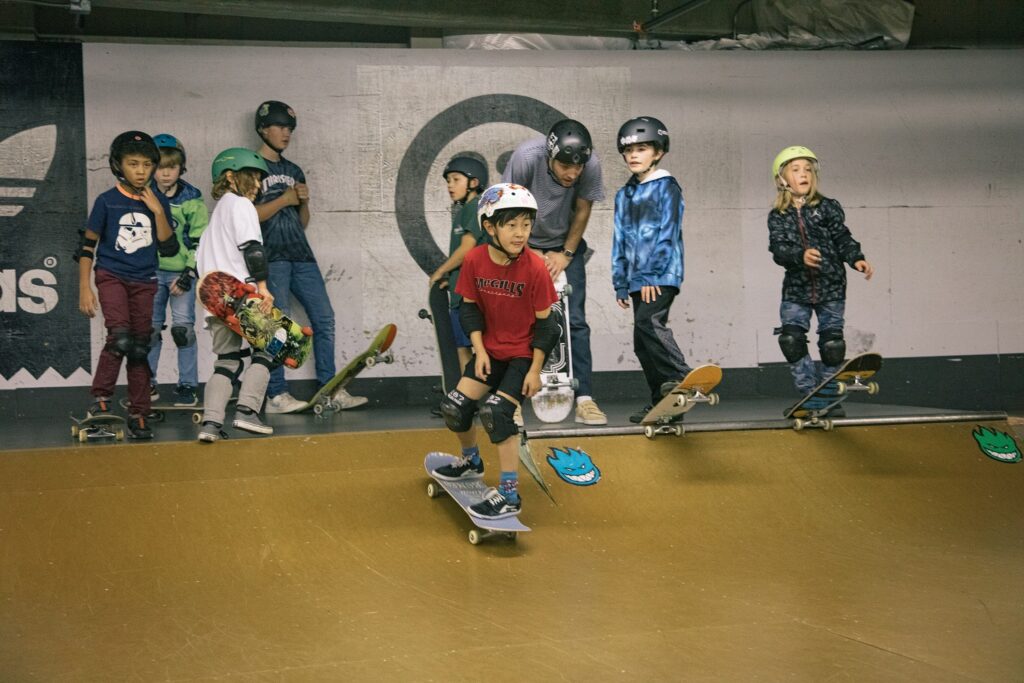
(303, 279)
(183, 314)
(806, 373)
(579, 330)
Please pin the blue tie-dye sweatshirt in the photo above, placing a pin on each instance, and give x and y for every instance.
(647, 245)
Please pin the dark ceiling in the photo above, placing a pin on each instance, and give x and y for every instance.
(937, 23)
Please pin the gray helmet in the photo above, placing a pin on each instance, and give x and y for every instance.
(469, 167)
(569, 142)
(643, 129)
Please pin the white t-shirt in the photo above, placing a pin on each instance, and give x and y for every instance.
(234, 222)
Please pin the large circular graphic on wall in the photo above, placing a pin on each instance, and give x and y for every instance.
(411, 184)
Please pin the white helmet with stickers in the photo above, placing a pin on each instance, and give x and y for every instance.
(503, 196)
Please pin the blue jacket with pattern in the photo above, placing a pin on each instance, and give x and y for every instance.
(647, 245)
(821, 227)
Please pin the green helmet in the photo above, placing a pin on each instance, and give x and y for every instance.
(787, 155)
(237, 158)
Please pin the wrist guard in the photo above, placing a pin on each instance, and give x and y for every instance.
(184, 281)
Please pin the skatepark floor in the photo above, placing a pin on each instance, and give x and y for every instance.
(889, 552)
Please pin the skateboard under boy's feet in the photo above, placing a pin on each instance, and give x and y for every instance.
(696, 387)
(813, 409)
(469, 492)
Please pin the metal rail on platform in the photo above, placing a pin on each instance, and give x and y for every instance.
(742, 425)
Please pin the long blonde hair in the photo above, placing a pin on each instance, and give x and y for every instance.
(240, 182)
(784, 198)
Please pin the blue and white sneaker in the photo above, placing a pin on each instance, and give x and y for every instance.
(495, 506)
(462, 468)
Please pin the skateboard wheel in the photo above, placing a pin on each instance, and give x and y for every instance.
(840, 388)
(649, 432)
(712, 399)
(682, 400)
(798, 424)
(474, 537)
(74, 431)
(83, 435)
(511, 535)
(197, 418)
(678, 430)
(433, 490)
(873, 388)
(119, 435)
(308, 331)
(567, 290)
(575, 383)
(371, 361)
(336, 407)
(828, 425)
(290, 362)
(318, 409)
(389, 357)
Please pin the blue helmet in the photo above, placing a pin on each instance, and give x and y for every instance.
(168, 141)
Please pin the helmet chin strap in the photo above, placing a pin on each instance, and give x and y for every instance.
(497, 245)
(267, 143)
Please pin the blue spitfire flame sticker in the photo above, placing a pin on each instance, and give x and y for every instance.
(573, 466)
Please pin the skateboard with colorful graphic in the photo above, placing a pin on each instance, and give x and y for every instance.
(467, 492)
(849, 378)
(101, 426)
(695, 388)
(237, 304)
(378, 352)
(438, 314)
(554, 402)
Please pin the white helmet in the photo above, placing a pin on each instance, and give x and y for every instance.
(503, 196)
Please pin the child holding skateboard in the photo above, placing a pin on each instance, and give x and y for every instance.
(465, 177)
(807, 236)
(127, 228)
(176, 274)
(233, 244)
(506, 310)
(647, 254)
(284, 214)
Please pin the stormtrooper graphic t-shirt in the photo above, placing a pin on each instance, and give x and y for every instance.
(127, 230)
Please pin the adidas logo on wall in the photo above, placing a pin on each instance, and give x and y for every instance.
(25, 159)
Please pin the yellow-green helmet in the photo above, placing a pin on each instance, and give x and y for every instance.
(787, 155)
(237, 158)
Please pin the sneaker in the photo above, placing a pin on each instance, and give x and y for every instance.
(100, 406)
(517, 417)
(667, 387)
(495, 506)
(462, 468)
(138, 428)
(210, 432)
(347, 400)
(185, 396)
(815, 404)
(588, 413)
(638, 416)
(250, 422)
(154, 393)
(283, 403)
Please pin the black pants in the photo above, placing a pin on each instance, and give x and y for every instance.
(655, 347)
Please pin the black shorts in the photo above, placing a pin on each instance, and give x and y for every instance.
(506, 376)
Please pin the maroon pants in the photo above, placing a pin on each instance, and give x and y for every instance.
(127, 307)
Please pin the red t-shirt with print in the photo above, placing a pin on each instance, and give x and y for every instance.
(509, 297)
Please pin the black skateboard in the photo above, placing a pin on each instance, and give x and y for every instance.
(850, 377)
(438, 314)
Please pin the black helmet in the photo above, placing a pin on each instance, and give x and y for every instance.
(469, 167)
(643, 129)
(131, 142)
(274, 113)
(569, 142)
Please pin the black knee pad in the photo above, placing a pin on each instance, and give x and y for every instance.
(230, 364)
(832, 347)
(183, 336)
(120, 342)
(457, 409)
(793, 342)
(139, 350)
(266, 360)
(498, 418)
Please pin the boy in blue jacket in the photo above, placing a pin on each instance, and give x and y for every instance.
(647, 254)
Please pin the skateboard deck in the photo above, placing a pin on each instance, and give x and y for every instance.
(237, 304)
(105, 426)
(377, 352)
(554, 402)
(849, 378)
(526, 457)
(695, 388)
(468, 492)
(157, 411)
(437, 313)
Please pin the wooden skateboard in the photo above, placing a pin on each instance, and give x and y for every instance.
(554, 402)
(438, 314)
(102, 426)
(377, 352)
(157, 411)
(237, 304)
(695, 388)
(468, 492)
(848, 378)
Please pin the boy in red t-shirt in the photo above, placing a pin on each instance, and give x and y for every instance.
(507, 297)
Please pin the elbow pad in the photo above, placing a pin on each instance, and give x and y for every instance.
(471, 317)
(168, 247)
(86, 247)
(546, 333)
(255, 260)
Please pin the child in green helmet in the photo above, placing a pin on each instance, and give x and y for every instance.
(808, 237)
(233, 243)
